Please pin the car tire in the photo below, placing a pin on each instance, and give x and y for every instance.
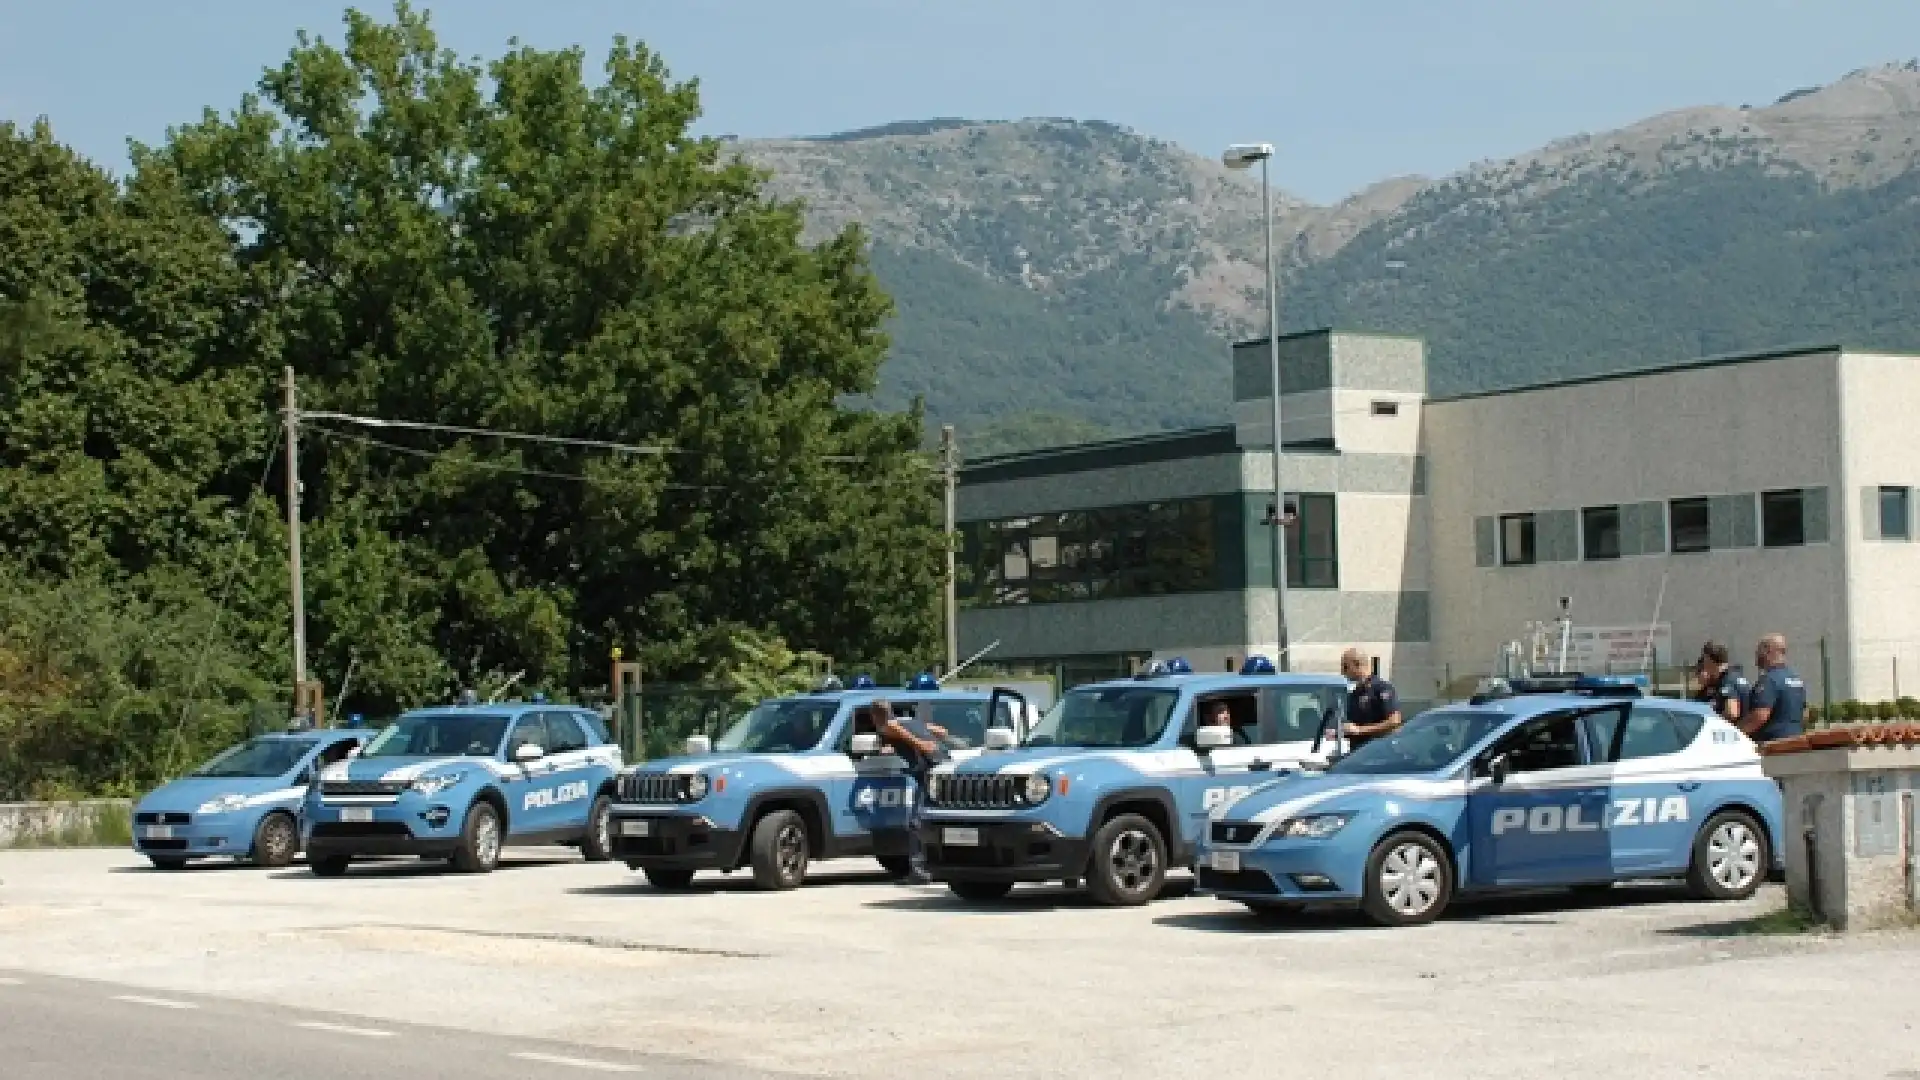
(781, 849)
(1409, 880)
(329, 865)
(667, 879)
(980, 892)
(597, 845)
(897, 865)
(1128, 862)
(480, 840)
(168, 865)
(1730, 857)
(276, 840)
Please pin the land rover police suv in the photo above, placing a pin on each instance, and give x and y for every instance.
(791, 782)
(1114, 784)
(1509, 792)
(461, 782)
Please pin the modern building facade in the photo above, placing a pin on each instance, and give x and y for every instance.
(1721, 499)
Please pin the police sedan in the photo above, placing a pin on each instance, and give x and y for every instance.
(1557, 790)
(244, 804)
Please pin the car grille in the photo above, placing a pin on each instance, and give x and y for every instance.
(1234, 832)
(172, 817)
(648, 788)
(975, 791)
(363, 788)
(1240, 881)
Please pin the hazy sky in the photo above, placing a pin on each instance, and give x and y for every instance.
(1353, 91)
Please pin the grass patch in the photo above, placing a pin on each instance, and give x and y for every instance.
(1787, 920)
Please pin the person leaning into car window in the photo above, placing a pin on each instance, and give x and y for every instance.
(920, 756)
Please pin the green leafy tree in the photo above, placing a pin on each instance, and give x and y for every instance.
(507, 246)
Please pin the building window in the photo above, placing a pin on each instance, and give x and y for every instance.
(1386, 408)
(1688, 523)
(1516, 540)
(1895, 524)
(1313, 544)
(1783, 518)
(1148, 549)
(1600, 532)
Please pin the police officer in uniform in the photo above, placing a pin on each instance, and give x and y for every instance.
(920, 756)
(1722, 685)
(1373, 706)
(1778, 702)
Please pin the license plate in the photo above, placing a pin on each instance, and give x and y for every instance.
(636, 828)
(356, 813)
(961, 837)
(158, 832)
(1226, 862)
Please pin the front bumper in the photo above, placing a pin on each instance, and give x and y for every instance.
(645, 835)
(412, 825)
(163, 835)
(1006, 851)
(1284, 871)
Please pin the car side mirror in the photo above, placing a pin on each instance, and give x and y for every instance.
(865, 744)
(999, 738)
(304, 779)
(526, 752)
(1313, 761)
(1498, 768)
(699, 744)
(1212, 737)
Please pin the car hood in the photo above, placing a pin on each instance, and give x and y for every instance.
(188, 793)
(401, 769)
(1027, 759)
(1318, 792)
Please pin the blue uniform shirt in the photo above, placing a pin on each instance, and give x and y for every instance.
(1371, 701)
(1785, 695)
(1731, 686)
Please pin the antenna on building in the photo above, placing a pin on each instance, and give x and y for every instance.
(1566, 633)
(1646, 655)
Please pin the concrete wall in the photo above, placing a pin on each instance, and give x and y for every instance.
(1643, 440)
(1879, 405)
(86, 823)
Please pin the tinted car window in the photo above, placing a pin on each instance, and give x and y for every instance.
(434, 734)
(565, 732)
(529, 730)
(1650, 732)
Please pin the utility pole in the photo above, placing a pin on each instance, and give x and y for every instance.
(949, 467)
(1279, 491)
(293, 542)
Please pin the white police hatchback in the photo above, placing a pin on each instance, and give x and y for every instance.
(1556, 790)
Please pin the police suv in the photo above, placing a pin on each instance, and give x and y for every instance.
(244, 804)
(461, 782)
(1114, 784)
(1583, 788)
(790, 782)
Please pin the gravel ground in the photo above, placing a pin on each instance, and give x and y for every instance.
(854, 976)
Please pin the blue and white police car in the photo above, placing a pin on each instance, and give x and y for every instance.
(461, 782)
(1113, 786)
(243, 804)
(1574, 789)
(792, 782)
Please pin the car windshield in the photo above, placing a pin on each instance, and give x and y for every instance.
(257, 757)
(438, 735)
(1106, 716)
(787, 726)
(1433, 740)
(965, 722)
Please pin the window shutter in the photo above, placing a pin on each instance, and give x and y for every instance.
(1870, 512)
(1483, 541)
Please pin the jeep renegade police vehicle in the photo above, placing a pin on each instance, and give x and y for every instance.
(1114, 784)
(790, 782)
(461, 782)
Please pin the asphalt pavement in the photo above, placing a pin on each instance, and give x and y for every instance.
(70, 1029)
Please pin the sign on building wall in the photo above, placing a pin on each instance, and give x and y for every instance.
(1597, 649)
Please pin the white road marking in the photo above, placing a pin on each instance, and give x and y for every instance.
(8, 981)
(158, 1003)
(578, 1063)
(342, 1029)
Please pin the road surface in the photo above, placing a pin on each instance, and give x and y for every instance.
(67, 1029)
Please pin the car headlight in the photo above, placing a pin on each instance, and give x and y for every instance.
(1316, 827)
(1036, 789)
(437, 783)
(223, 804)
(694, 787)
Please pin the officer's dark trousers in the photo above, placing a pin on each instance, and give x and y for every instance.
(916, 850)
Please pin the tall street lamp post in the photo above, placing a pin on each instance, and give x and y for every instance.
(1242, 156)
